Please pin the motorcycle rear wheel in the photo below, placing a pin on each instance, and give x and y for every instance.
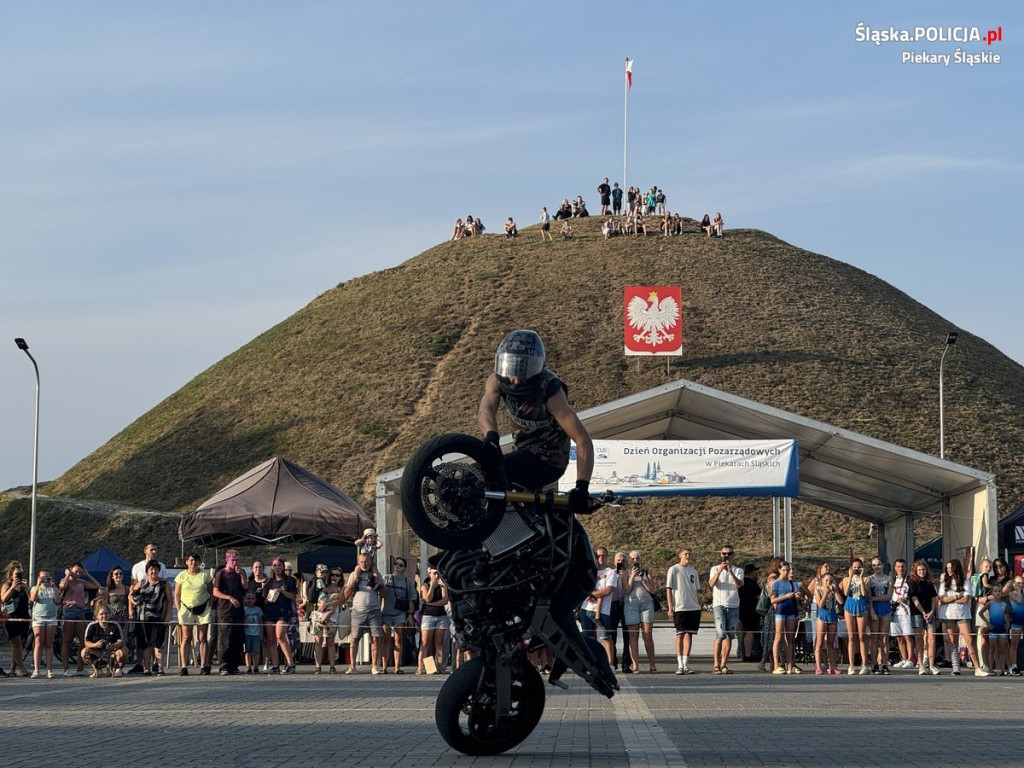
(466, 704)
(442, 487)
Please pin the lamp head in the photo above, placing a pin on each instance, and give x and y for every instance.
(951, 338)
(22, 344)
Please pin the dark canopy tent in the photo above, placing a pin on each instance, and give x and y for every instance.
(278, 503)
(101, 562)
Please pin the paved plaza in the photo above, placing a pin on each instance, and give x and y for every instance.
(745, 719)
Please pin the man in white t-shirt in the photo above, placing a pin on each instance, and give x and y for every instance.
(139, 569)
(681, 587)
(725, 580)
(596, 615)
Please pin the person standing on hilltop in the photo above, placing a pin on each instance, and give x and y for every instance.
(545, 224)
(605, 191)
(616, 199)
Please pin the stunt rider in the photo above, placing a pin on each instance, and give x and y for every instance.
(535, 400)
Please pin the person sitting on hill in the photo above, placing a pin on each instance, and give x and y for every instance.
(459, 230)
(510, 228)
(639, 225)
(579, 208)
(666, 224)
(478, 225)
(705, 224)
(677, 224)
(564, 210)
(610, 227)
(470, 226)
(566, 231)
(717, 225)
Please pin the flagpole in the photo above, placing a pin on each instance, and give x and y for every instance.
(625, 126)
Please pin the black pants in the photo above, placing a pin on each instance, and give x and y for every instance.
(230, 641)
(618, 618)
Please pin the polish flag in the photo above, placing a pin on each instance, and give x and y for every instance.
(629, 73)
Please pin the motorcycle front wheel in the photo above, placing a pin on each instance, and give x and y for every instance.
(466, 706)
(442, 491)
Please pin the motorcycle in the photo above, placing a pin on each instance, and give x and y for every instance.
(517, 565)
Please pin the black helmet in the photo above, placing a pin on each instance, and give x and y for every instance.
(520, 354)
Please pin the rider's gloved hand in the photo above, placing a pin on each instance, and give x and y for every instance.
(579, 498)
(492, 447)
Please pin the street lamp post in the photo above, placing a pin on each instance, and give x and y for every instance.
(951, 338)
(23, 346)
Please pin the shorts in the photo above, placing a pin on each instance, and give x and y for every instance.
(367, 620)
(44, 623)
(855, 606)
(545, 227)
(1017, 627)
(75, 613)
(687, 622)
(785, 616)
(394, 619)
(150, 633)
(726, 620)
(435, 622)
(882, 608)
(638, 612)
(917, 622)
(188, 619)
(601, 625)
(901, 626)
(252, 643)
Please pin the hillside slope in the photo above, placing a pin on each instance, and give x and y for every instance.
(350, 384)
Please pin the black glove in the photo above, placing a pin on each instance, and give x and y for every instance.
(579, 498)
(492, 449)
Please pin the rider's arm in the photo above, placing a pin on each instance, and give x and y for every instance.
(558, 406)
(487, 416)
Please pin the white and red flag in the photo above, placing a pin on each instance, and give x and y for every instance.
(653, 320)
(629, 73)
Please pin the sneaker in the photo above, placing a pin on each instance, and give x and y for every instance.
(934, 670)
(289, 670)
(778, 671)
(49, 674)
(817, 671)
(955, 672)
(885, 669)
(922, 670)
(875, 670)
(680, 671)
(70, 673)
(274, 671)
(795, 670)
(118, 672)
(864, 671)
(852, 670)
(688, 671)
(374, 671)
(183, 672)
(836, 671)
(981, 672)
(1015, 672)
(224, 673)
(204, 670)
(35, 674)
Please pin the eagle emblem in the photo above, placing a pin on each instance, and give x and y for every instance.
(653, 319)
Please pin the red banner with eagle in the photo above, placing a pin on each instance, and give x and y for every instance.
(653, 320)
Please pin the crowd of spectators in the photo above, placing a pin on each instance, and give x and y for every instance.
(869, 618)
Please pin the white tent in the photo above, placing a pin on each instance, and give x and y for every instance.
(840, 470)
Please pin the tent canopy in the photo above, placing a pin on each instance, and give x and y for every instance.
(277, 503)
(101, 562)
(839, 469)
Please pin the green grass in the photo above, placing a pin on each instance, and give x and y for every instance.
(350, 384)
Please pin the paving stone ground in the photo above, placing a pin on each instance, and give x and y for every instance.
(745, 719)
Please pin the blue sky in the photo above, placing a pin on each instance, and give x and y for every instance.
(175, 180)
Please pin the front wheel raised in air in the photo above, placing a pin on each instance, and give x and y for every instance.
(442, 491)
(466, 708)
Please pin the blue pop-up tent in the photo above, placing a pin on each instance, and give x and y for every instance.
(102, 562)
